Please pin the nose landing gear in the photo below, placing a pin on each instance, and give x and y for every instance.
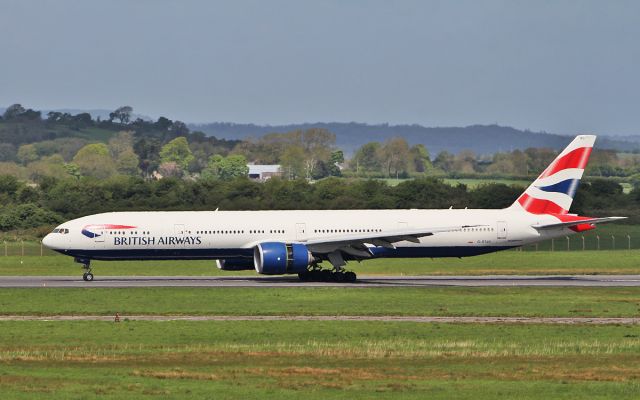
(86, 265)
(87, 276)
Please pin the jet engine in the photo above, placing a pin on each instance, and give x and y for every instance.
(275, 258)
(235, 264)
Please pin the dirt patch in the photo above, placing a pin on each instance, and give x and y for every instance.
(177, 374)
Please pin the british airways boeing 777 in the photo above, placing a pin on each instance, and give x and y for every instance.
(296, 242)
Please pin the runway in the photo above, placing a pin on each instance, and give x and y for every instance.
(364, 281)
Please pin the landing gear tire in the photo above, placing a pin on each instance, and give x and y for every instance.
(350, 277)
(338, 276)
(325, 275)
(304, 276)
(86, 265)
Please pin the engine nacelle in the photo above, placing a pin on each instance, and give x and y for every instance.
(235, 264)
(275, 258)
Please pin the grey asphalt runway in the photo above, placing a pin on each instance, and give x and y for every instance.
(292, 281)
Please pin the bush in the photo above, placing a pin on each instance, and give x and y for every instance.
(27, 216)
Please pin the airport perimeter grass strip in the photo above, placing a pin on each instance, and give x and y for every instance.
(350, 318)
(433, 301)
(317, 360)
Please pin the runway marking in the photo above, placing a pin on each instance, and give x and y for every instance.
(389, 318)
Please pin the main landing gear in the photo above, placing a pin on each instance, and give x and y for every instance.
(327, 275)
(86, 265)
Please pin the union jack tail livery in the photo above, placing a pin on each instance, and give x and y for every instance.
(553, 191)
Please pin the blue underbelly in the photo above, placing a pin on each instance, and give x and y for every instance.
(209, 254)
(435, 252)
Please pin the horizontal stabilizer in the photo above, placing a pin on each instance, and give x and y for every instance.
(590, 221)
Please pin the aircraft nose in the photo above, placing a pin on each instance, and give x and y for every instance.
(47, 241)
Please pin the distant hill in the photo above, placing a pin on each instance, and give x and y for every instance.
(482, 139)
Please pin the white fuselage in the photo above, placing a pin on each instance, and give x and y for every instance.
(232, 234)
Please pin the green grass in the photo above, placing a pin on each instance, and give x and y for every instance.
(623, 236)
(99, 134)
(64, 265)
(512, 263)
(473, 183)
(507, 262)
(433, 301)
(317, 360)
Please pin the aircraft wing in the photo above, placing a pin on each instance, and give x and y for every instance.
(355, 244)
(590, 221)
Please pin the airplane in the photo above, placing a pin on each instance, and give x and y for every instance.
(297, 241)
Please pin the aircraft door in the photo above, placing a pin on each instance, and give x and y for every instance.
(502, 230)
(301, 231)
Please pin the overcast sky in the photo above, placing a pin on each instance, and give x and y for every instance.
(559, 66)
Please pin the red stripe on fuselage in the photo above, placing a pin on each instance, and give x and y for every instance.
(109, 226)
(577, 158)
(539, 206)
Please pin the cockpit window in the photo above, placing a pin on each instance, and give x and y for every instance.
(56, 230)
(61, 230)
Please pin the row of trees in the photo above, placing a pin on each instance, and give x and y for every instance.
(302, 154)
(64, 145)
(28, 206)
(395, 158)
(117, 157)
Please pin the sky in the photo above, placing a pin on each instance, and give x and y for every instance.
(557, 66)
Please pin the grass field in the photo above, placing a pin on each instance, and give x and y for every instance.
(474, 183)
(471, 183)
(325, 359)
(506, 262)
(435, 301)
(317, 360)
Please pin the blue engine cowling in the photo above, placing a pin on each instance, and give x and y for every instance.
(235, 264)
(275, 258)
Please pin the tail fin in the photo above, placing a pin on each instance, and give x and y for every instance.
(553, 191)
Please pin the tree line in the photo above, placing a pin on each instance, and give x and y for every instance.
(62, 145)
(39, 207)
